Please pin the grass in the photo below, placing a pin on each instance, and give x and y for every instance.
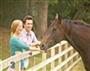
(79, 67)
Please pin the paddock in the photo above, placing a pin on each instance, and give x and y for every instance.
(61, 57)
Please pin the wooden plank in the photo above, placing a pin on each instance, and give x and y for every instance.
(64, 62)
(73, 64)
(52, 54)
(18, 65)
(58, 45)
(60, 58)
(66, 56)
(71, 53)
(42, 64)
(5, 63)
(44, 57)
(0, 65)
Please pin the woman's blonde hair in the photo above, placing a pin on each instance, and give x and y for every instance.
(14, 25)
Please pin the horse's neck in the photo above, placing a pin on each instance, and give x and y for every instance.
(79, 38)
(74, 38)
(72, 43)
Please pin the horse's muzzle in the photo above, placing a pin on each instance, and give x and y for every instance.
(43, 47)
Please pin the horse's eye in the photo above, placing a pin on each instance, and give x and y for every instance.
(54, 29)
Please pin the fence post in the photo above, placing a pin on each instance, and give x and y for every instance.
(66, 55)
(32, 62)
(60, 59)
(52, 54)
(77, 56)
(18, 64)
(71, 53)
(44, 57)
(0, 65)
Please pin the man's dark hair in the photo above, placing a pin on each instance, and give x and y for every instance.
(28, 17)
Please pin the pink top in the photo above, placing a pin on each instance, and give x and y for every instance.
(28, 38)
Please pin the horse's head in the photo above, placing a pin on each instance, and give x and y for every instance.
(53, 35)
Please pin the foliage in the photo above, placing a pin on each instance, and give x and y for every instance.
(52, 2)
(71, 9)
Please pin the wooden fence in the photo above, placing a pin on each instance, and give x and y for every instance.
(61, 57)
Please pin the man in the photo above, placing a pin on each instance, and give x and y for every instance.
(28, 36)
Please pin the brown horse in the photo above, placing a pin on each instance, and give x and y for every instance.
(77, 33)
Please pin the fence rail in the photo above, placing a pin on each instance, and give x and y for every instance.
(60, 57)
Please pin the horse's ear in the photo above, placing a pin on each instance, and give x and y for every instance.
(58, 17)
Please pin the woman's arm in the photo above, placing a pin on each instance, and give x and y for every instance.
(21, 44)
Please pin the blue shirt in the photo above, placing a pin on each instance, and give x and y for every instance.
(17, 45)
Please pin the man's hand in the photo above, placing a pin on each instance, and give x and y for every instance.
(36, 44)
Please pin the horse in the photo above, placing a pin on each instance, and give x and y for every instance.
(76, 32)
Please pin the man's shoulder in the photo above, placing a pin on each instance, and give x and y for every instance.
(32, 33)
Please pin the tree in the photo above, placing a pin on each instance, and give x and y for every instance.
(39, 11)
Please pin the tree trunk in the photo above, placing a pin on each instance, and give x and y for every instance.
(39, 11)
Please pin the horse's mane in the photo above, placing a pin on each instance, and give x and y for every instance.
(78, 22)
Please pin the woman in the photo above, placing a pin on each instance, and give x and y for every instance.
(15, 43)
